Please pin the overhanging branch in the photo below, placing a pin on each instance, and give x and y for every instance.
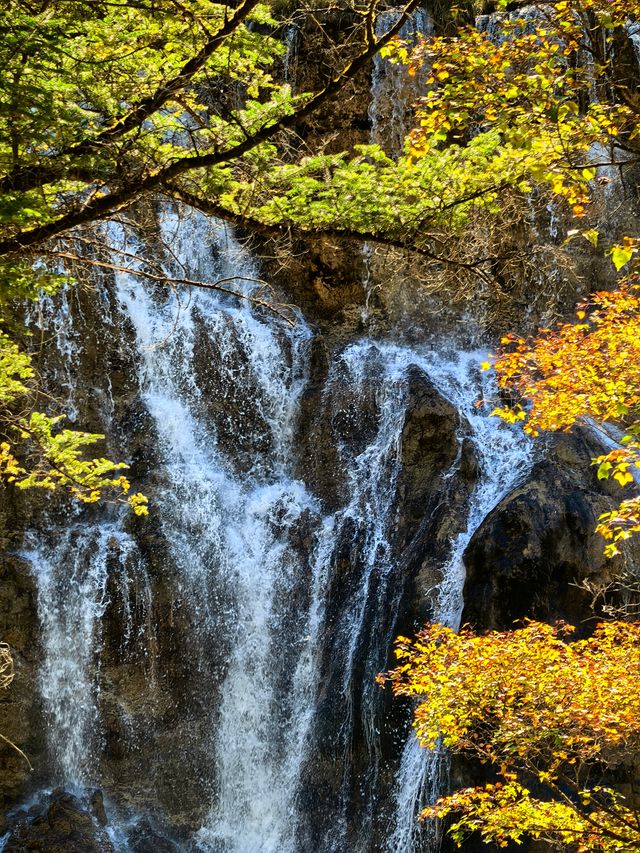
(102, 206)
(290, 229)
(29, 177)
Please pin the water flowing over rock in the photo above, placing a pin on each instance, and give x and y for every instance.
(315, 489)
(62, 824)
(213, 667)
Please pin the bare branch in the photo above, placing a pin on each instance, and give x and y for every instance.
(284, 311)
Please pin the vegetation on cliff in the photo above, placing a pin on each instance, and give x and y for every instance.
(105, 103)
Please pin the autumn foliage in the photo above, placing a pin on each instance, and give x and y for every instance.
(523, 78)
(549, 715)
(589, 369)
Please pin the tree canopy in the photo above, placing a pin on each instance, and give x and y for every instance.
(104, 102)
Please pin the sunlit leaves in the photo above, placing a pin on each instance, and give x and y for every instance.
(15, 370)
(39, 454)
(71, 72)
(541, 709)
(589, 369)
(622, 254)
(525, 76)
(60, 462)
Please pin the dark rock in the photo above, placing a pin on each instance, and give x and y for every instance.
(98, 810)
(63, 824)
(337, 420)
(230, 394)
(20, 707)
(144, 838)
(527, 556)
(428, 448)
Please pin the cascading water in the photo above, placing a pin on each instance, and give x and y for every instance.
(393, 90)
(72, 578)
(222, 384)
(504, 457)
(54, 319)
(228, 530)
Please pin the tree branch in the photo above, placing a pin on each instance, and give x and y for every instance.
(292, 229)
(102, 206)
(29, 177)
(282, 310)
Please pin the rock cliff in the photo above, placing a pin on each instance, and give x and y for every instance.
(341, 513)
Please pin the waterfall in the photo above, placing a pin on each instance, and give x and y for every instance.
(291, 609)
(290, 62)
(54, 317)
(72, 598)
(228, 530)
(504, 456)
(393, 90)
(364, 627)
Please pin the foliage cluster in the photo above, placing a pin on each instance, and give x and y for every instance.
(549, 715)
(585, 371)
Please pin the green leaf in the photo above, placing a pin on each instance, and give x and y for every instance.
(621, 255)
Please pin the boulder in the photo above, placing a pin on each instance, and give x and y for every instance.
(532, 552)
(63, 823)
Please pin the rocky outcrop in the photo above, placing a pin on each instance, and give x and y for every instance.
(532, 553)
(435, 475)
(429, 446)
(531, 557)
(62, 822)
(21, 719)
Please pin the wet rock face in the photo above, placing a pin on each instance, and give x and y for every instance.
(145, 838)
(20, 709)
(338, 419)
(432, 467)
(428, 448)
(65, 823)
(230, 394)
(62, 824)
(539, 542)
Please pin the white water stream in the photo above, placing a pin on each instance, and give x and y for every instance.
(229, 527)
(504, 457)
(72, 578)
